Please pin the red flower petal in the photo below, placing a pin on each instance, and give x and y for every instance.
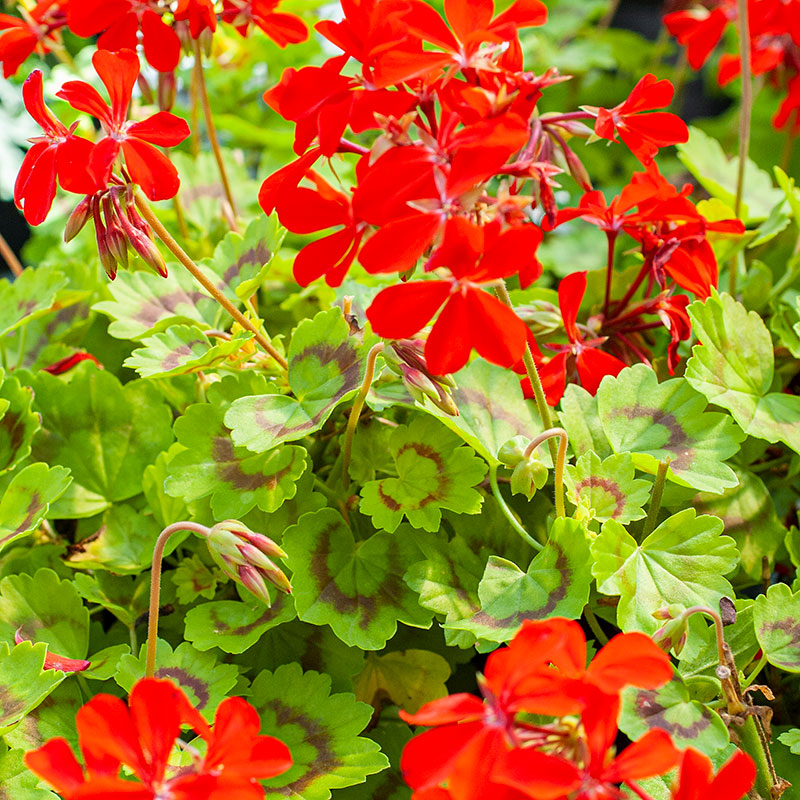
(570, 295)
(593, 365)
(630, 659)
(397, 246)
(55, 763)
(536, 774)
(453, 708)
(398, 312)
(162, 129)
(119, 72)
(151, 169)
(451, 338)
(162, 47)
(330, 256)
(653, 754)
(499, 335)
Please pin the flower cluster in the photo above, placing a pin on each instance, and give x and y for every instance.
(461, 164)
(141, 736)
(493, 747)
(159, 26)
(774, 46)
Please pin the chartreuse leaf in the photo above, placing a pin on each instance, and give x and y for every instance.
(433, 472)
(26, 500)
(18, 423)
(688, 722)
(24, 682)
(17, 782)
(182, 349)
(326, 366)
(106, 433)
(791, 739)
(777, 621)
(580, 418)
(704, 157)
(791, 191)
(355, 587)
(44, 609)
(556, 583)
(321, 730)
(407, 678)
(491, 409)
(734, 368)
(205, 681)
(682, 561)
(166, 509)
(235, 479)
(193, 579)
(654, 421)
(607, 489)
(241, 262)
(28, 297)
(104, 663)
(125, 597)
(146, 303)
(235, 626)
(54, 717)
(749, 515)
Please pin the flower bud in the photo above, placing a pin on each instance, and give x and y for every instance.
(106, 256)
(166, 90)
(528, 476)
(115, 237)
(148, 251)
(78, 218)
(245, 557)
(673, 633)
(406, 357)
(513, 451)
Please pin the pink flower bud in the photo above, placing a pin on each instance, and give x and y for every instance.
(78, 218)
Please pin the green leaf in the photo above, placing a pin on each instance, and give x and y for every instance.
(166, 509)
(106, 433)
(670, 708)
(235, 626)
(607, 488)
(27, 499)
(734, 368)
(704, 157)
(44, 609)
(18, 423)
(205, 681)
(580, 418)
(556, 583)
(23, 681)
(791, 191)
(355, 587)
(125, 597)
(433, 472)
(791, 739)
(28, 297)
(235, 479)
(748, 513)
(681, 561)
(193, 579)
(407, 678)
(54, 717)
(17, 782)
(654, 421)
(183, 349)
(491, 409)
(240, 263)
(326, 366)
(321, 731)
(105, 662)
(777, 620)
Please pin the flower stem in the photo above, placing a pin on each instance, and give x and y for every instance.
(210, 127)
(10, 257)
(533, 375)
(612, 240)
(155, 587)
(561, 458)
(507, 512)
(187, 262)
(355, 412)
(745, 114)
(594, 624)
(655, 499)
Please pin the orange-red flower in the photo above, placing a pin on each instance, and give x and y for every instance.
(696, 780)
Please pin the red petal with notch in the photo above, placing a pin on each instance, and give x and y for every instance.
(593, 365)
(285, 180)
(451, 338)
(119, 72)
(330, 256)
(499, 335)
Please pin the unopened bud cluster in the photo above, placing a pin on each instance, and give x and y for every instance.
(406, 357)
(118, 226)
(246, 557)
(529, 474)
(673, 633)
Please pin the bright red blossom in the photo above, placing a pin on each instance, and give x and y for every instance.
(36, 32)
(696, 780)
(200, 15)
(282, 28)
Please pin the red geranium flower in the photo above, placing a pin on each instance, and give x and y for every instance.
(142, 734)
(700, 30)
(697, 781)
(634, 121)
(200, 15)
(282, 28)
(33, 33)
(121, 22)
(145, 164)
(57, 157)
(471, 318)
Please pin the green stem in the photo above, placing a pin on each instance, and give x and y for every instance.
(561, 459)
(507, 512)
(745, 114)
(180, 254)
(355, 412)
(594, 624)
(655, 499)
(762, 662)
(533, 375)
(753, 741)
(155, 587)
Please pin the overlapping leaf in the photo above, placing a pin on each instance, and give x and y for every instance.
(321, 730)
(234, 478)
(433, 473)
(734, 368)
(28, 297)
(18, 782)
(777, 623)
(355, 587)
(682, 561)
(654, 421)
(326, 366)
(18, 423)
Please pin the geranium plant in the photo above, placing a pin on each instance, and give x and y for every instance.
(400, 399)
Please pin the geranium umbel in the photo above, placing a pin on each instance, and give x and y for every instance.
(142, 735)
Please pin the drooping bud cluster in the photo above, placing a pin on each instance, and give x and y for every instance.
(406, 357)
(246, 557)
(673, 633)
(529, 474)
